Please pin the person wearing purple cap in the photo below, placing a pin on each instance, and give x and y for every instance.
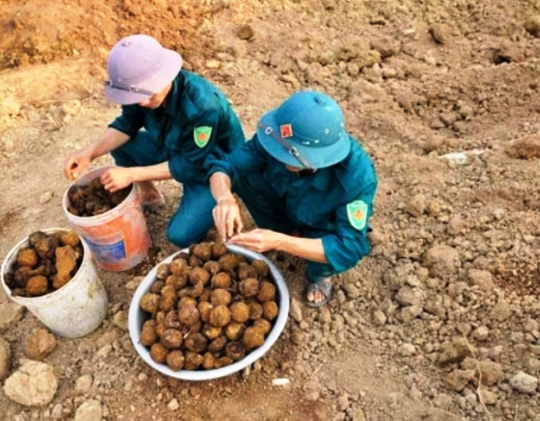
(171, 121)
(308, 185)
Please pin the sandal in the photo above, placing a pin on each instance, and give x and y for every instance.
(324, 286)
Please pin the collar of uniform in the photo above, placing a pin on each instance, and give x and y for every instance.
(319, 180)
(323, 177)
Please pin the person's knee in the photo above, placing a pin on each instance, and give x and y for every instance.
(140, 150)
(119, 158)
(179, 238)
(193, 219)
(123, 157)
(184, 238)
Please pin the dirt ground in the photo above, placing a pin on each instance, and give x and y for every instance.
(439, 323)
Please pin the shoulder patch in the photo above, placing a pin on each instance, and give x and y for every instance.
(201, 135)
(357, 212)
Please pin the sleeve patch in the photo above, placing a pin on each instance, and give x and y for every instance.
(202, 135)
(357, 212)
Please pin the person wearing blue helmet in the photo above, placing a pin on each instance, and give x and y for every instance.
(307, 183)
(171, 121)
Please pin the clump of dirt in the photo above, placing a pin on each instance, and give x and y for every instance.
(45, 264)
(67, 30)
(93, 199)
(196, 323)
(525, 148)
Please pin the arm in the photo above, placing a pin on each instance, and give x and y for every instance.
(116, 179)
(110, 140)
(221, 168)
(306, 248)
(261, 240)
(347, 244)
(249, 157)
(78, 161)
(346, 241)
(127, 125)
(220, 185)
(342, 245)
(119, 132)
(227, 212)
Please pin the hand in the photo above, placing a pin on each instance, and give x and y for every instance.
(227, 217)
(259, 240)
(76, 163)
(115, 179)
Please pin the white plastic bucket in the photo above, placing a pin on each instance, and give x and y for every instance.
(119, 239)
(72, 311)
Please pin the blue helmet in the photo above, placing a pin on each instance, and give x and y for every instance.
(306, 130)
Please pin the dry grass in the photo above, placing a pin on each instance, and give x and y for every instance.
(478, 392)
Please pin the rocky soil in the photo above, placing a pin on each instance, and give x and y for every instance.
(440, 322)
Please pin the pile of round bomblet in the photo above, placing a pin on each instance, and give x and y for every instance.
(45, 264)
(208, 308)
(93, 199)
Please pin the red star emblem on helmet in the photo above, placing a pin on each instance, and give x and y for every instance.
(286, 130)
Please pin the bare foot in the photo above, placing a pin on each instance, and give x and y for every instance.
(316, 295)
(150, 194)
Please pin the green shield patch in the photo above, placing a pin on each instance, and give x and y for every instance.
(357, 212)
(201, 135)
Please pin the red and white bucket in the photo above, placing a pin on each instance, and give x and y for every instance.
(119, 238)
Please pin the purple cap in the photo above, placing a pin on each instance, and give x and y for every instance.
(139, 67)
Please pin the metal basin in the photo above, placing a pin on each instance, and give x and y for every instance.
(137, 317)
